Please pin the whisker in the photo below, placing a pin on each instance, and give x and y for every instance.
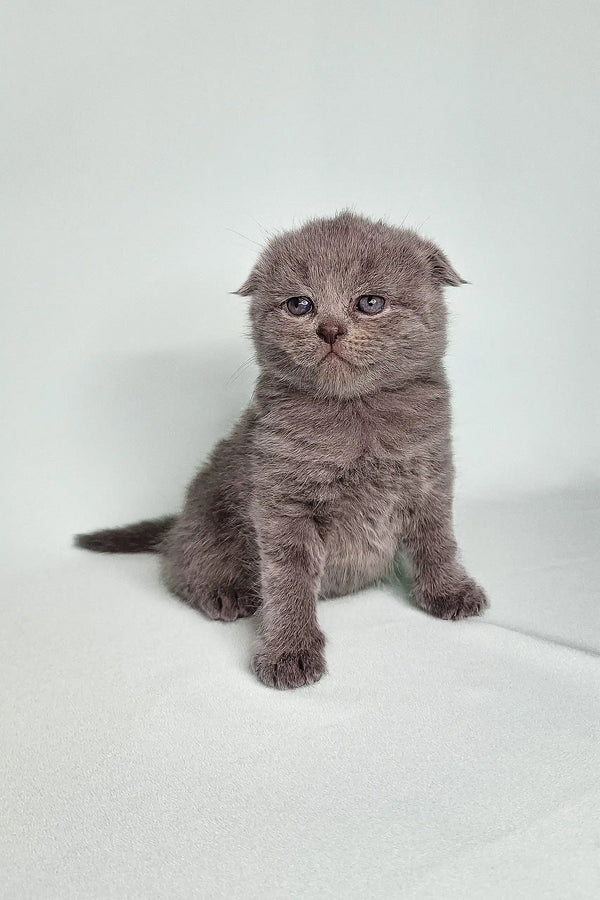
(245, 236)
(239, 370)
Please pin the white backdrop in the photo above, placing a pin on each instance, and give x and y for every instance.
(149, 147)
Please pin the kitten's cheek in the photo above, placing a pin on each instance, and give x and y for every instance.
(305, 360)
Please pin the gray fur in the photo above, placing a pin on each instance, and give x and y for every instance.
(342, 459)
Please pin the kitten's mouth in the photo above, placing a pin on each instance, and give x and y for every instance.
(331, 357)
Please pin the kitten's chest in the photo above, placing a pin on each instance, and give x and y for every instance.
(330, 454)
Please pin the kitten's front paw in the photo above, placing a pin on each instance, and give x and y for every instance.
(289, 669)
(467, 600)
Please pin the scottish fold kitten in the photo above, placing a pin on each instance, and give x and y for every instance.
(342, 460)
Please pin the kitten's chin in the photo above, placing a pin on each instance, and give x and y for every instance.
(336, 377)
(327, 377)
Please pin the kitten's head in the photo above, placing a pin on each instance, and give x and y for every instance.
(346, 306)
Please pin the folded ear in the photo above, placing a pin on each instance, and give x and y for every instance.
(442, 270)
(249, 286)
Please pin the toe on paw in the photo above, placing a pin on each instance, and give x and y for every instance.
(466, 601)
(289, 670)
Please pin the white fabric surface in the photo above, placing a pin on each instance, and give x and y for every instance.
(142, 759)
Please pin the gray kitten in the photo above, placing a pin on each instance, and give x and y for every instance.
(342, 459)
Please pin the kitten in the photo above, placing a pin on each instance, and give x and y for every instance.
(342, 459)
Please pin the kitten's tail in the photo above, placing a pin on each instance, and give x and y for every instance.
(142, 537)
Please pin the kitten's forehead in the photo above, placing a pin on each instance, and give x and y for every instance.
(346, 253)
(344, 250)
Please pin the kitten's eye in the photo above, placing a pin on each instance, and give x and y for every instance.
(299, 306)
(370, 304)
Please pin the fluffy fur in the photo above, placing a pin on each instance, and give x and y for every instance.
(343, 458)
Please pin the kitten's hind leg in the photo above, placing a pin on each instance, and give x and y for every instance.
(210, 569)
(227, 603)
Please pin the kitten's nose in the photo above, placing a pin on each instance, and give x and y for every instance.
(330, 332)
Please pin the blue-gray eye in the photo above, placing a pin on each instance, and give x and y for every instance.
(370, 304)
(299, 306)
